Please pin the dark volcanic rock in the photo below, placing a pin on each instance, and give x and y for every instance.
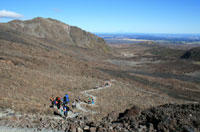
(130, 113)
(113, 116)
(172, 117)
(165, 118)
(169, 117)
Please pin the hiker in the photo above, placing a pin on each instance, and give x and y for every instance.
(66, 99)
(58, 102)
(52, 102)
(92, 100)
(74, 104)
(66, 110)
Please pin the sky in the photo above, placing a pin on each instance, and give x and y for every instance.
(111, 16)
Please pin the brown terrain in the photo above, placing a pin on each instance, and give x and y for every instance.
(44, 57)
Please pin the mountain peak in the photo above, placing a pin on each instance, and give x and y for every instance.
(42, 19)
(59, 32)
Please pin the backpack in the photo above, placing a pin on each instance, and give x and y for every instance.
(66, 98)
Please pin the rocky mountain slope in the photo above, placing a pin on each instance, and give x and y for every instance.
(55, 31)
(41, 57)
(165, 118)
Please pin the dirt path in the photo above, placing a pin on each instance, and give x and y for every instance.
(79, 105)
(87, 94)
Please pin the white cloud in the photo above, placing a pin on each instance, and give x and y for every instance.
(9, 14)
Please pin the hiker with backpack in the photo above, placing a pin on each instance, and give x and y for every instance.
(65, 110)
(58, 102)
(92, 100)
(66, 99)
(65, 102)
(61, 104)
(55, 101)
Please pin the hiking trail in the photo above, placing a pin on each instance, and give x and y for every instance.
(87, 94)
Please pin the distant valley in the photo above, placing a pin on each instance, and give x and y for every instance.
(127, 38)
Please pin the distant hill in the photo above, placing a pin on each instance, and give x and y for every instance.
(193, 54)
(52, 30)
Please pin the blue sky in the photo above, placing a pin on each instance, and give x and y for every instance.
(134, 16)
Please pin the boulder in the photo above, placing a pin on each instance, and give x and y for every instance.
(86, 128)
(93, 129)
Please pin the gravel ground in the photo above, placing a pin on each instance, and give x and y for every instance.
(8, 129)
